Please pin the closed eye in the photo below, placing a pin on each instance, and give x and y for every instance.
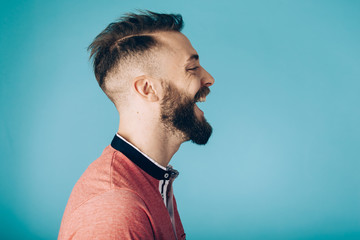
(192, 69)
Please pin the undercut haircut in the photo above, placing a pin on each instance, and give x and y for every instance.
(127, 39)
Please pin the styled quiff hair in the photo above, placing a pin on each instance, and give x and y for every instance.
(127, 39)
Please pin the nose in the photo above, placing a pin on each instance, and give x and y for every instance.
(207, 80)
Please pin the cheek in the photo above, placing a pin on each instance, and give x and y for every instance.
(186, 83)
(191, 82)
(193, 88)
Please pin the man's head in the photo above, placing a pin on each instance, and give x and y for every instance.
(145, 64)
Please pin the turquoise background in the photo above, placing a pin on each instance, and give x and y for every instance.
(284, 159)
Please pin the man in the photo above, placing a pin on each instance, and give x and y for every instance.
(152, 74)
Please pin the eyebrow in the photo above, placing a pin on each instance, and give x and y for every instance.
(193, 57)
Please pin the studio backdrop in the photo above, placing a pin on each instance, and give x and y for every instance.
(284, 158)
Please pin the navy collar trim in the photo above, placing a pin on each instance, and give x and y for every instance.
(143, 162)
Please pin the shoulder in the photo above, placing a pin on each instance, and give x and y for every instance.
(115, 199)
(114, 214)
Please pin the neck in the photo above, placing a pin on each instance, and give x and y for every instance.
(152, 139)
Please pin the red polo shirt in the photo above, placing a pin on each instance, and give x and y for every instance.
(119, 198)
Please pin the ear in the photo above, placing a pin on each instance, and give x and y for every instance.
(145, 88)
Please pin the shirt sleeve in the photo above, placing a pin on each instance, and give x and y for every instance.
(114, 214)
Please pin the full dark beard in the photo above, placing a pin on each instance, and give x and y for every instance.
(178, 114)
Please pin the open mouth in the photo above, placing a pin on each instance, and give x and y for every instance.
(200, 97)
(200, 100)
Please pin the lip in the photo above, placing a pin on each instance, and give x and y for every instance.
(199, 110)
(203, 92)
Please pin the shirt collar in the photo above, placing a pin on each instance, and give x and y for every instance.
(142, 160)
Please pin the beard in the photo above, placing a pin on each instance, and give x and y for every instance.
(178, 115)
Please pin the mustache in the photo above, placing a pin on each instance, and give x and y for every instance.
(203, 92)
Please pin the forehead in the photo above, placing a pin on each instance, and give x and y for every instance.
(176, 45)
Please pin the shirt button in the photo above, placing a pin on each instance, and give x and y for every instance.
(166, 175)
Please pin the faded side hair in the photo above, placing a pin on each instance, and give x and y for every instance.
(128, 37)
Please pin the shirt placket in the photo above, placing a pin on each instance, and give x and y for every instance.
(169, 197)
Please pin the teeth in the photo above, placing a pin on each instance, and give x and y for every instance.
(202, 99)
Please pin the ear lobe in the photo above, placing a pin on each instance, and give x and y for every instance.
(145, 88)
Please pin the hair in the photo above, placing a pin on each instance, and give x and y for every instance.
(128, 41)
